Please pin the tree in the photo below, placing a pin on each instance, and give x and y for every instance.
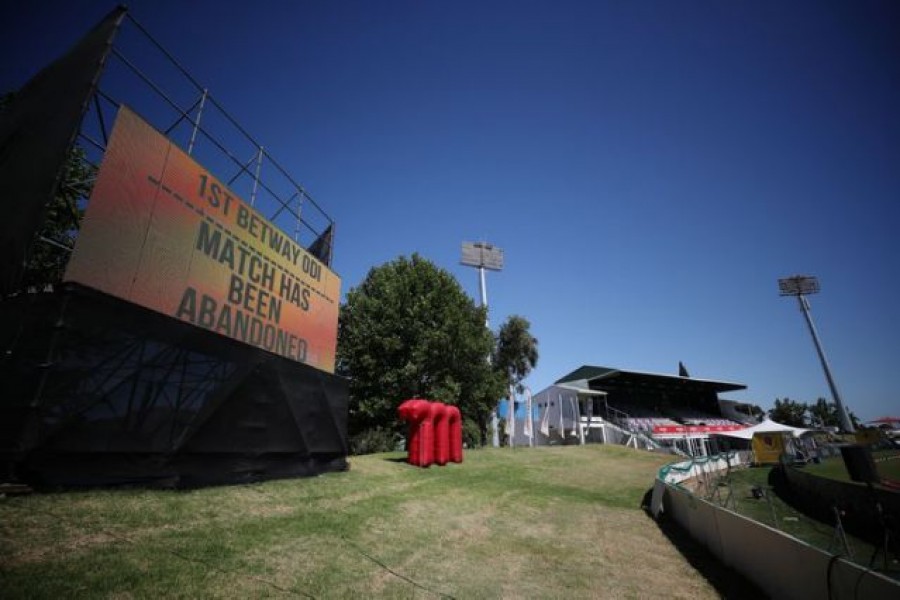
(53, 244)
(54, 241)
(789, 412)
(824, 414)
(516, 352)
(409, 331)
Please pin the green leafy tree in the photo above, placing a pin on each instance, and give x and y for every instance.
(409, 331)
(516, 351)
(54, 241)
(789, 412)
(53, 244)
(825, 414)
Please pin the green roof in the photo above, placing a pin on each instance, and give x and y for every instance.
(605, 376)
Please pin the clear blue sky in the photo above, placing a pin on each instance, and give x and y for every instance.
(649, 168)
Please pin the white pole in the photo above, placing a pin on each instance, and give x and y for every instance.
(576, 410)
(487, 320)
(529, 418)
(562, 427)
(495, 424)
(511, 417)
(495, 429)
(477, 255)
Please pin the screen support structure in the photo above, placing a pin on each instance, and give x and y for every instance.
(483, 255)
(801, 286)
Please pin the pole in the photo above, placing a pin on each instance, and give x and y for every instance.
(576, 410)
(529, 416)
(511, 417)
(495, 429)
(483, 255)
(487, 320)
(846, 424)
(259, 159)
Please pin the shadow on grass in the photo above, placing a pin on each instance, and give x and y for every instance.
(728, 583)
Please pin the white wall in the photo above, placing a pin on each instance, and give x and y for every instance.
(549, 400)
(781, 565)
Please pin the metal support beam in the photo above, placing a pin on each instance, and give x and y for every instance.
(259, 159)
(197, 122)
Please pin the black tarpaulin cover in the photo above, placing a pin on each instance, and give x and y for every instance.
(99, 391)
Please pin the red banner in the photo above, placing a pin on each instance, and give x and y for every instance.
(687, 429)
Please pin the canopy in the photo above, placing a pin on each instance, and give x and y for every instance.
(767, 426)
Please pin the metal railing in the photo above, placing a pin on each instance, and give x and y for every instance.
(149, 79)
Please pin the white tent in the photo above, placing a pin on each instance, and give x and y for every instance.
(767, 426)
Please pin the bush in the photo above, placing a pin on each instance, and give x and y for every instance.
(471, 434)
(374, 440)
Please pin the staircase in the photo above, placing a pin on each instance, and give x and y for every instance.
(617, 434)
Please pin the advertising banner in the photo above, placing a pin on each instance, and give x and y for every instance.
(674, 429)
(162, 232)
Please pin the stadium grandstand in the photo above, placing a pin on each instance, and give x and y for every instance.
(673, 413)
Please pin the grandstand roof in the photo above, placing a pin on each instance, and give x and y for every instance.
(607, 377)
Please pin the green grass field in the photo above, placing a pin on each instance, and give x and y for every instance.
(886, 462)
(775, 512)
(523, 523)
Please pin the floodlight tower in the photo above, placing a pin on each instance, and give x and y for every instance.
(485, 256)
(801, 286)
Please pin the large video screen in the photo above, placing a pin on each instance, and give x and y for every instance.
(162, 232)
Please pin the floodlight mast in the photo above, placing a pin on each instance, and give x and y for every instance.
(485, 256)
(482, 256)
(487, 320)
(800, 286)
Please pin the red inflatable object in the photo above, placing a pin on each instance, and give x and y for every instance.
(441, 433)
(426, 437)
(434, 435)
(420, 438)
(455, 426)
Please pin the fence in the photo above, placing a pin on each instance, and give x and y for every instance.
(781, 565)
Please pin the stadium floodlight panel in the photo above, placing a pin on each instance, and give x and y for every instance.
(798, 285)
(482, 255)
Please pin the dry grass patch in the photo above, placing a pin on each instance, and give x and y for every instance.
(543, 522)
